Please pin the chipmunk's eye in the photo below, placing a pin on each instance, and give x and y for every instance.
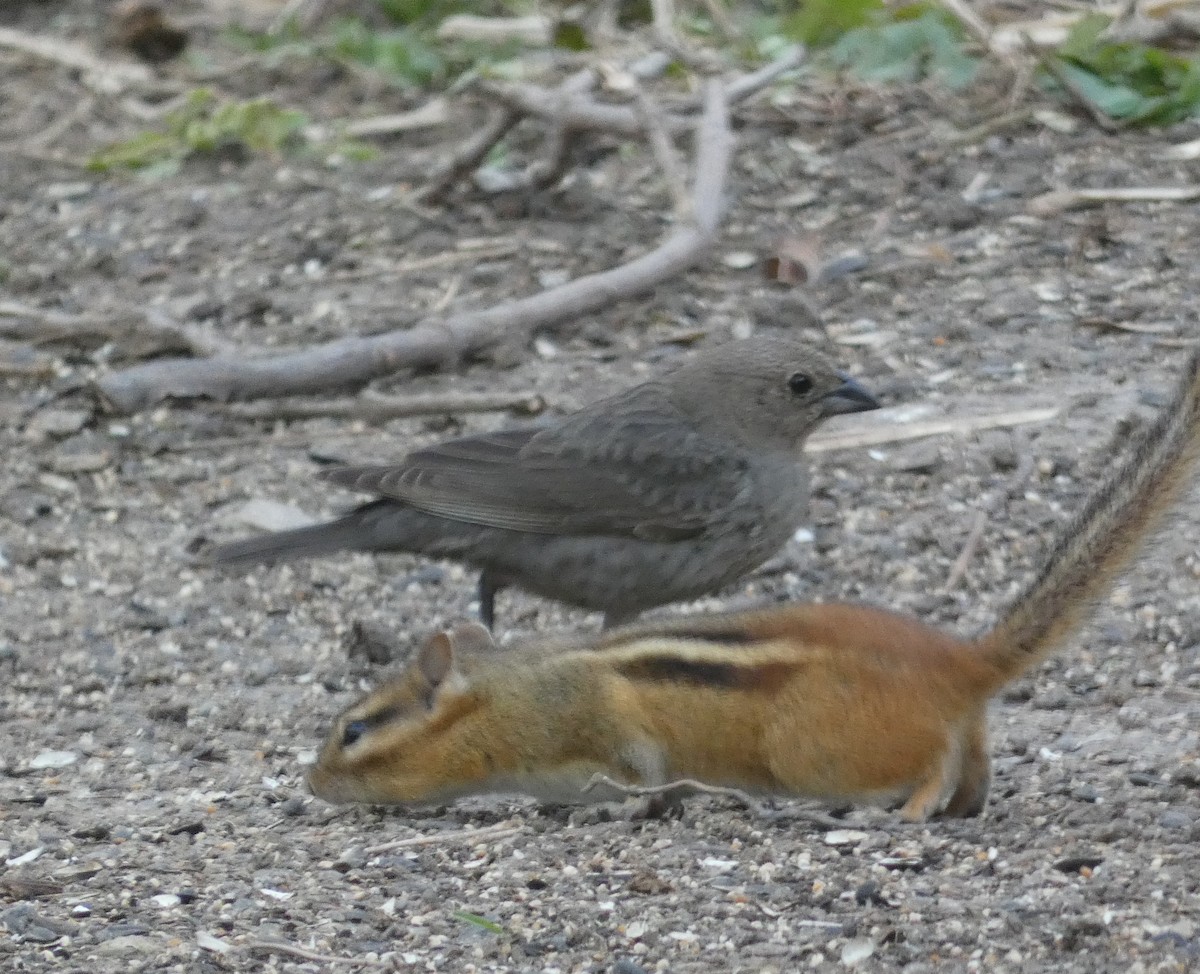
(799, 383)
(354, 730)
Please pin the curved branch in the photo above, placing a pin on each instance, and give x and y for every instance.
(351, 362)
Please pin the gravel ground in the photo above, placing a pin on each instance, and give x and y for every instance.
(155, 714)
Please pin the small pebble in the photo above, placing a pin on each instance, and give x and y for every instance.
(1175, 819)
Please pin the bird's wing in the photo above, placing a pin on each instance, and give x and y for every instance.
(654, 481)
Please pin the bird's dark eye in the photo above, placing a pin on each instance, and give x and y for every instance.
(354, 730)
(799, 383)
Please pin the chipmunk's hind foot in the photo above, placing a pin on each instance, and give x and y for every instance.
(975, 777)
(956, 785)
(924, 802)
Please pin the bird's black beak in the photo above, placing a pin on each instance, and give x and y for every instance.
(849, 397)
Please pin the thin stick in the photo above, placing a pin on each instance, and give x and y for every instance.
(680, 787)
(433, 113)
(291, 950)
(663, 14)
(582, 113)
(879, 434)
(722, 21)
(447, 296)
(970, 20)
(41, 369)
(549, 169)
(289, 11)
(374, 407)
(501, 831)
(468, 156)
(664, 152)
(84, 109)
(959, 568)
(977, 133)
(1060, 200)
(294, 438)
(684, 787)
(104, 76)
(151, 327)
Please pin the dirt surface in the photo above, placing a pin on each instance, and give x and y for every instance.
(179, 836)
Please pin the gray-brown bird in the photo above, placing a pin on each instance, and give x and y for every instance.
(661, 493)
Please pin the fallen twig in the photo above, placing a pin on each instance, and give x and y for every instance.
(664, 151)
(582, 113)
(144, 331)
(959, 568)
(741, 88)
(673, 791)
(433, 113)
(437, 340)
(469, 155)
(108, 77)
(1060, 200)
(722, 20)
(977, 133)
(551, 167)
(442, 259)
(970, 20)
(663, 19)
(375, 407)
(40, 369)
(878, 434)
(534, 30)
(500, 831)
(579, 113)
(1132, 327)
(291, 950)
(84, 109)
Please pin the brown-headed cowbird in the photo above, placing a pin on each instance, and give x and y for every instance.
(664, 492)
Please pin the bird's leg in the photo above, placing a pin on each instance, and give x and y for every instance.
(489, 585)
(614, 619)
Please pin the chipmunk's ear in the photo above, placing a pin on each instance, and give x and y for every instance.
(436, 659)
(470, 637)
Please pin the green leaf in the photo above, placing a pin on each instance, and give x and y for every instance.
(204, 125)
(1115, 100)
(570, 37)
(141, 151)
(354, 150)
(819, 23)
(907, 51)
(1129, 81)
(479, 921)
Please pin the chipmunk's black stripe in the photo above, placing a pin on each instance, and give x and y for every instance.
(731, 676)
(672, 669)
(380, 717)
(730, 637)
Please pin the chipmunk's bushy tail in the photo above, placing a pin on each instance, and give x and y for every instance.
(1106, 534)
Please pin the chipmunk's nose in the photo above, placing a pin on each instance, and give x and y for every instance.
(849, 397)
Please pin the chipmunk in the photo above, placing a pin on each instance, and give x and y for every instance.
(836, 701)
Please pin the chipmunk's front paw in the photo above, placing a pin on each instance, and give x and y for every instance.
(643, 807)
(633, 809)
(597, 813)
